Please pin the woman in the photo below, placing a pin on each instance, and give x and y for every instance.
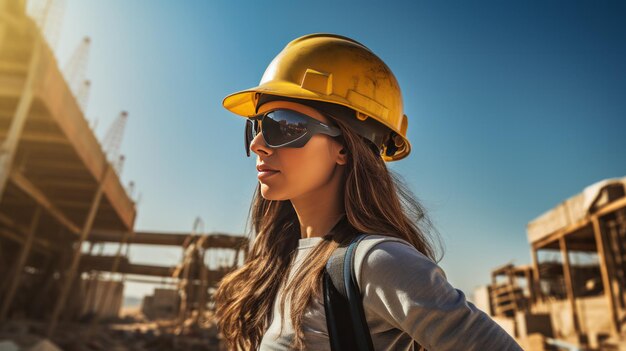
(322, 122)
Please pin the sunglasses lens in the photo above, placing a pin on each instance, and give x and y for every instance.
(249, 134)
(283, 126)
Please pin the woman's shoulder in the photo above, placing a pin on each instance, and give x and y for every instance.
(371, 240)
(386, 245)
(386, 256)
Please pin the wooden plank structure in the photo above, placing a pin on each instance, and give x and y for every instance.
(592, 223)
(591, 234)
(58, 191)
(193, 277)
(508, 297)
(201, 242)
(56, 183)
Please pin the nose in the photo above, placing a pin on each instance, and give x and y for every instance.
(259, 147)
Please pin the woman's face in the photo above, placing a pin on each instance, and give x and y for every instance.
(299, 170)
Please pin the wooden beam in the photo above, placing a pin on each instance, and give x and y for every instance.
(612, 207)
(605, 271)
(104, 264)
(503, 269)
(148, 270)
(215, 240)
(147, 238)
(65, 184)
(38, 174)
(19, 265)
(13, 67)
(43, 245)
(29, 188)
(72, 204)
(573, 245)
(40, 137)
(580, 246)
(536, 284)
(11, 235)
(574, 227)
(7, 114)
(57, 164)
(569, 285)
(618, 232)
(150, 281)
(555, 236)
(224, 241)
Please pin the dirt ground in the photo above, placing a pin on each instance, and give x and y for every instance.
(129, 332)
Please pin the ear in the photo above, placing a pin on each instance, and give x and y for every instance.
(342, 157)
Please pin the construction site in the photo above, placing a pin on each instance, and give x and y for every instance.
(62, 201)
(571, 297)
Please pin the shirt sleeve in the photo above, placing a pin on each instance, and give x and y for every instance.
(411, 292)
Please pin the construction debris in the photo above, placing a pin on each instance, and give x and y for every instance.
(129, 334)
(8, 346)
(44, 345)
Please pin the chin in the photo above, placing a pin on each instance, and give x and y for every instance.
(271, 194)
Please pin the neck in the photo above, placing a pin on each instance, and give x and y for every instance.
(318, 211)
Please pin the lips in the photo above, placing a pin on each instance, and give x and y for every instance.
(264, 168)
(265, 171)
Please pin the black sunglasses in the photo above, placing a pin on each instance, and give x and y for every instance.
(285, 128)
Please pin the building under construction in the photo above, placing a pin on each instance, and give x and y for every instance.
(62, 199)
(572, 295)
(61, 196)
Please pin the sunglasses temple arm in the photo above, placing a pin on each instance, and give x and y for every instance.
(328, 130)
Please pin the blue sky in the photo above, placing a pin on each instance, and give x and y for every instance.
(513, 106)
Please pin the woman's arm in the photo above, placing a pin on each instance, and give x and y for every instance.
(411, 292)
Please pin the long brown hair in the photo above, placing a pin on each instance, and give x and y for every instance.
(376, 201)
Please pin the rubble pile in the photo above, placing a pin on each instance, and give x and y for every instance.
(131, 333)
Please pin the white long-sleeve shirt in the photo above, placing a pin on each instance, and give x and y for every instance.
(406, 296)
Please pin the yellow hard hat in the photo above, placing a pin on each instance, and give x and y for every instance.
(339, 70)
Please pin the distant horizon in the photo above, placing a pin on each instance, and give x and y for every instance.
(512, 109)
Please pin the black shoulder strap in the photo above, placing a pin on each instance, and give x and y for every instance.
(343, 302)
